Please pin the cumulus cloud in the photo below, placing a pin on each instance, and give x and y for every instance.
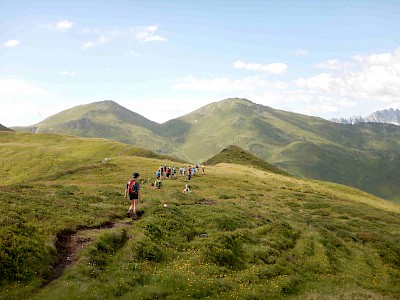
(360, 81)
(11, 43)
(373, 77)
(274, 68)
(148, 34)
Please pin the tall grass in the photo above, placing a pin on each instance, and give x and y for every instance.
(242, 233)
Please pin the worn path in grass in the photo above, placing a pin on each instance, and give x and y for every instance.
(70, 243)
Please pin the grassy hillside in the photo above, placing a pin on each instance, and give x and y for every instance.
(236, 155)
(365, 156)
(242, 233)
(104, 119)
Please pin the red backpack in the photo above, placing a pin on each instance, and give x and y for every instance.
(133, 189)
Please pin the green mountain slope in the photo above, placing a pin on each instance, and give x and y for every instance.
(366, 156)
(104, 119)
(236, 155)
(241, 233)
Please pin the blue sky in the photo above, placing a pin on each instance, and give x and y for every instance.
(163, 60)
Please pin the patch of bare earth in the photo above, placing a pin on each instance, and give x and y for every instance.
(70, 242)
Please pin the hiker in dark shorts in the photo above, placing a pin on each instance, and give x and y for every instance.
(168, 172)
(133, 189)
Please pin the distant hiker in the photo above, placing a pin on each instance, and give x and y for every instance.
(174, 171)
(181, 171)
(189, 173)
(168, 172)
(202, 167)
(158, 174)
(197, 168)
(157, 184)
(187, 189)
(161, 172)
(133, 189)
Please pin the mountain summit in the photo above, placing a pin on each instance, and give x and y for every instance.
(390, 116)
(366, 155)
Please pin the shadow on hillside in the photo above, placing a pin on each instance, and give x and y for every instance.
(177, 130)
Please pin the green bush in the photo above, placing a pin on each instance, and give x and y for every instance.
(146, 249)
(22, 250)
(106, 247)
(225, 250)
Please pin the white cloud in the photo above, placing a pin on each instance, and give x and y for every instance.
(63, 25)
(148, 34)
(274, 68)
(375, 77)
(334, 64)
(67, 73)
(381, 59)
(17, 105)
(357, 84)
(11, 43)
(103, 37)
(10, 88)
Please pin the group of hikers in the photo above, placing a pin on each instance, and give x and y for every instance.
(133, 188)
(168, 172)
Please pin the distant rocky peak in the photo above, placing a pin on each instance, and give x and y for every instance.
(390, 116)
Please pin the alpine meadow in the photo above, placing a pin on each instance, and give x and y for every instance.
(365, 155)
(247, 230)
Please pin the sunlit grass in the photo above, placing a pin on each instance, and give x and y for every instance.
(242, 233)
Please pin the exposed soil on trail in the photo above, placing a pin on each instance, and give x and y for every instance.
(70, 242)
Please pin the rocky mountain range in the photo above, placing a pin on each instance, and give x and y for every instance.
(390, 116)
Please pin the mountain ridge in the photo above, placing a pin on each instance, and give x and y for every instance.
(390, 116)
(365, 155)
(4, 128)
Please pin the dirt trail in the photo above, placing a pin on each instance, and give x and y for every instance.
(70, 242)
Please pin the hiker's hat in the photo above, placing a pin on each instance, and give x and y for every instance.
(135, 175)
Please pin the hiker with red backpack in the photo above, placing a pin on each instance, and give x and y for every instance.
(133, 189)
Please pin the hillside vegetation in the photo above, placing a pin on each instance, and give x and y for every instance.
(365, 156)
(242, 233)
(236, 155)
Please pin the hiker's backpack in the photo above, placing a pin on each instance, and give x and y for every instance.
(133, 189)
(158, 183)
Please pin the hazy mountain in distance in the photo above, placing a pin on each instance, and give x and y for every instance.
(390, 116)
